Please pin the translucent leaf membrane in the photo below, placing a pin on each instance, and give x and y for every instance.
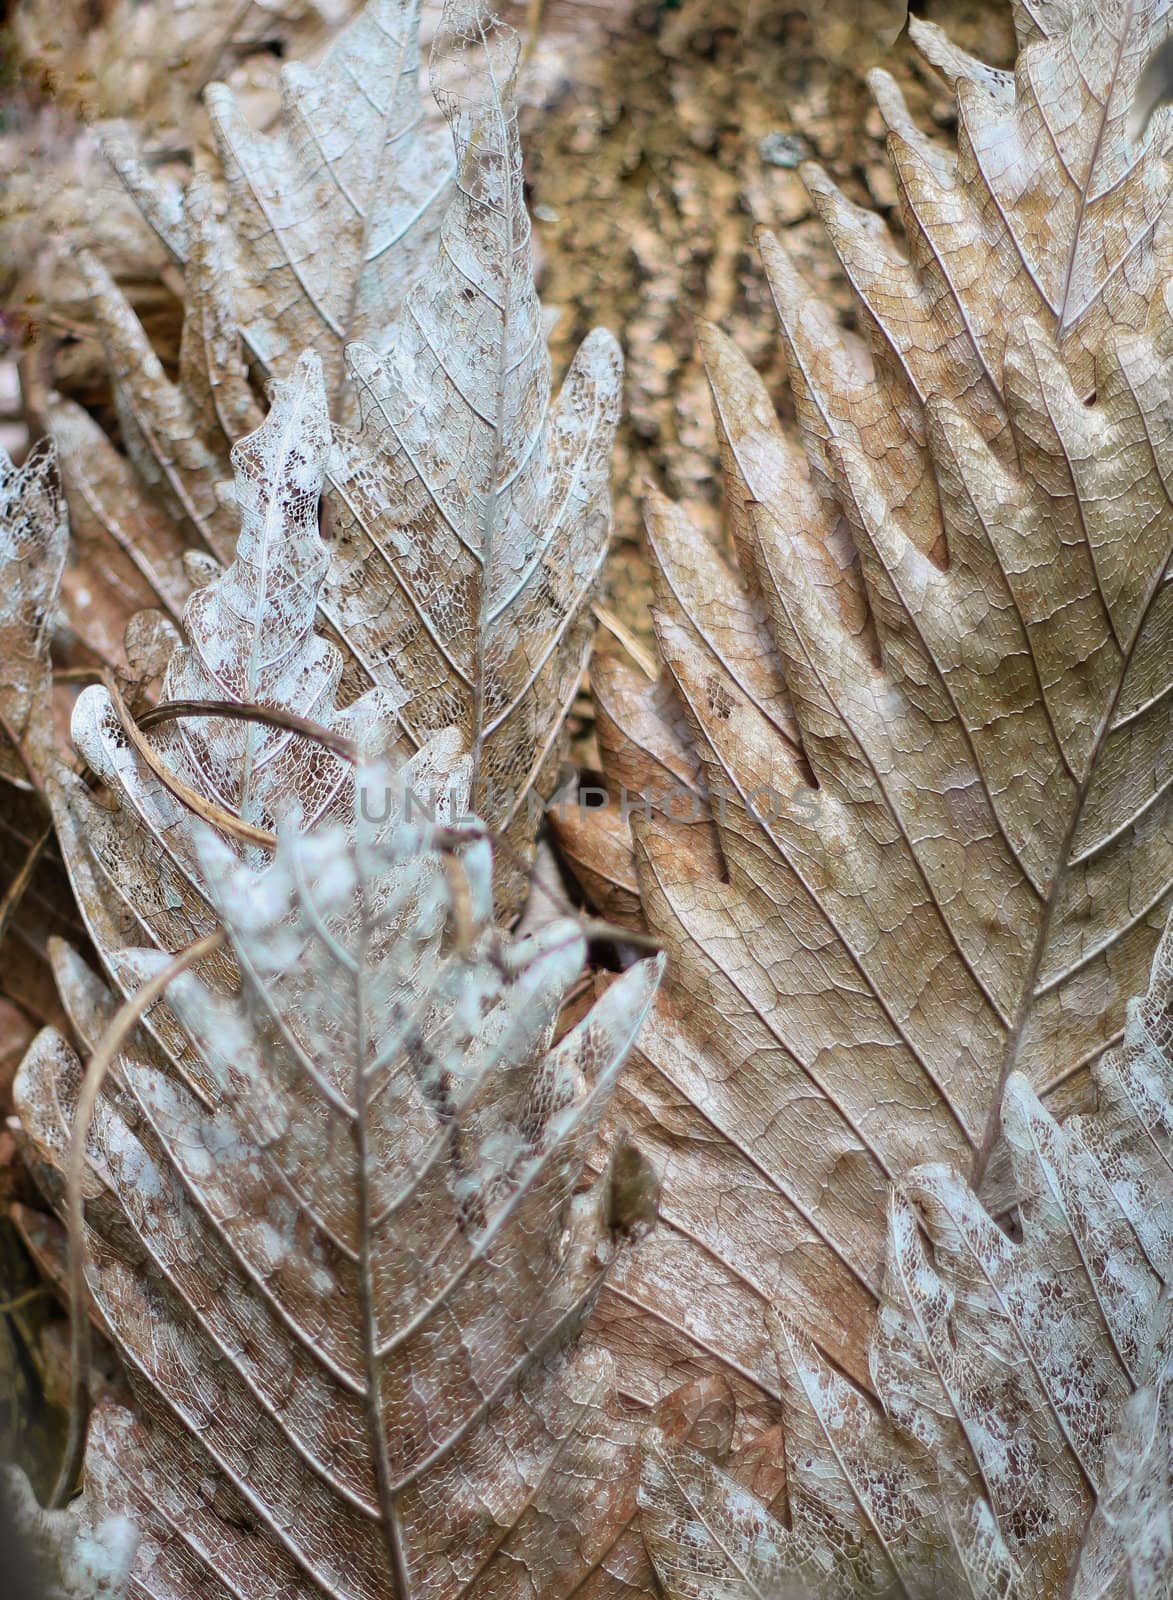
(472, 512)
(339, 1222)
(248, 638)
(338, 1236)
(468, 516)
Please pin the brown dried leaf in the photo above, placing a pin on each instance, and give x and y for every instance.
(929, 712)
(1022, 1388)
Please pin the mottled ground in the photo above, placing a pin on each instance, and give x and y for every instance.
(656, 154)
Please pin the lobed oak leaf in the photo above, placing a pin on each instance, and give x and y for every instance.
(336, 1176)
(468, 517)
(472, 512)
(247, 639)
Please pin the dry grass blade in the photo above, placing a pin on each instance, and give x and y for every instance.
(271, 716)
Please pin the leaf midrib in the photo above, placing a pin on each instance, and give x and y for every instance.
(1028, 993)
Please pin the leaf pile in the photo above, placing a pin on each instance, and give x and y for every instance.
(366, 1198)
(336, 1244)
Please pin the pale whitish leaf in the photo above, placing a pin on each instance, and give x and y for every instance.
(471, 514)
(329, 219)
(33, 540)
(1021, 1442)
(248, 637)
(345, 1258)
(1129, 1548)
(336, 1236)
(332, 215)
(930, 709)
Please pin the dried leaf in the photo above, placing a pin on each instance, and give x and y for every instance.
(389, 1236)
(1022, 1387)
(247, 637)
(472, 513)
(74, 65)
(332, 216)
(339, 1246)
(177, 434)
(1129, 1547)
(33, 537)
(929, 713)
(125, 553)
